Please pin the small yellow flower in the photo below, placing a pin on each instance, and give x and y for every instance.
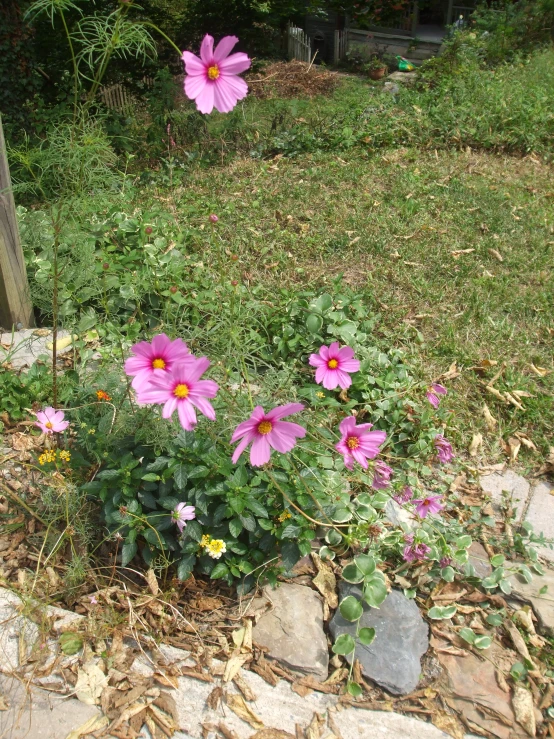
(92, 431)
(216, 548)
(65, 456)
(48, 456)
(284, 515)
(319, 394)
(205, 540)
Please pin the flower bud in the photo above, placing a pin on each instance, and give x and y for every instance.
(148, 230)
(214, 218)
(173, 289)
(105, 265)
(234, 283)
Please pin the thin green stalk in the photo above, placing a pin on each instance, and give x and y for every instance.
(75, 67)
(159, 30)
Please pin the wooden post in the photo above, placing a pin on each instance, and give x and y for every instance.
(16, 309)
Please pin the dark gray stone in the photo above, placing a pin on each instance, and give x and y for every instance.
(401, 638)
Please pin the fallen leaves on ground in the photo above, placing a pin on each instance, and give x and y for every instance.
(290, 80)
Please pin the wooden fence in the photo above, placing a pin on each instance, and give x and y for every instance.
(341, 46)
(299, 46)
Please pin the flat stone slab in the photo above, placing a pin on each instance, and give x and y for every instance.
(293, 629)
(38, 714)
(392, 660)
(541, 602)
(516, 485)
(541, 514)
(23, 348)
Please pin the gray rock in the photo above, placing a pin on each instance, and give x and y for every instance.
(406, 78)
(401, 638)
(479, 558)
(37, 714)
(541, 515)
(542, 603)
(517, 487)
(26, 346)
(399, 516)
(293, 629)
(356, 724)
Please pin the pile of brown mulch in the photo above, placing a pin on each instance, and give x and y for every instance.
(292, 79)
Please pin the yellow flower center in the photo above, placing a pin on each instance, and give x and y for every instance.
(352, 442)
(264, 427)
(181, 391)
(158, 363)
(213, 72)
(216, 546)
(48, 425)
(332, 364)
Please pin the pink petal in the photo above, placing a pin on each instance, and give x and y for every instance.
(160, 344)
(137, 364)
(205, 100)
(194, 86)
(224, 48)
(204, 406)
(246, 427)
(343, 379)
(334, 349)
(348, 462)
(169, 407)
(347, 425)
(324, 352)
(62, 426)
(235, 64)
(207, 49)
(206, 388)
(260, 452)
(345, 353)
(439, 389)
(281, 411)
(224, 97)
(349, 365)
(360, 457)
(187, 416)
(320, 373)
(153, 395)
(316, 361)
(242, 446)
(193, 65)
(142, 349)
(330, 378)
(141, 381)
(42, 417)
(193, 371)
(288, 428)
(57, 417)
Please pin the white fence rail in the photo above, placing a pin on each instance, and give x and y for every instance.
(299, 46)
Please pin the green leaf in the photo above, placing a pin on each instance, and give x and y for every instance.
(495, 619)
(440, 612)
(235, 527)
(482, 642)
(314, 322)
(354, 689)
(193, 530)
(448, 573)
(219, 571)
(467, 635)
(365, 564)
(342, 515)
(366, 635)
(375, 592)
(291, 531)
(351, 608)
(333, 537)
(518, 671)
(290, 554)
(505, 586)
(128, 551)
(248, 521)
(344, 644)
(326, 554)
(351, 573)
(71, 643)
(150, 477)
(180, 477)
(498, 560)
(463, 542)
(323, 303)
(184, 568)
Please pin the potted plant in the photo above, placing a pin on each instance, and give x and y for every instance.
(376, 68)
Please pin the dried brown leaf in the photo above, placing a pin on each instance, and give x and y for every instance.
(524, 709)
(227, 732)
(525, 440)
(237, 704)
(244, 687)
(448, 723)
(514, 446)
(451, 373)
(214, 698)
(495, 253)
(540, 371)
(313, 731)
(152, 582)
(490, 420)
(476, 443)
(234, 664)
(91, 681)
(272, 734)
(326, 582)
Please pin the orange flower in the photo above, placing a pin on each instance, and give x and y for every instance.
(102, 395)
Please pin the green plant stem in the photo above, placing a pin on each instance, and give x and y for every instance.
(166, 37)
(75, 67)
(296, 508)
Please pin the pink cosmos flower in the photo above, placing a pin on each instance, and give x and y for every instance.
(404, 496)
(181, 389)
(444, 449)
(381, 475)
(212, 80)
(429, 504)
(433, 394)
(266, 431)
(333, 365)
(183, 513)
(155, 359)
(358, 443)
(50, 421)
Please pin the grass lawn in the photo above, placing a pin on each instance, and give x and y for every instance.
(453, 251)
